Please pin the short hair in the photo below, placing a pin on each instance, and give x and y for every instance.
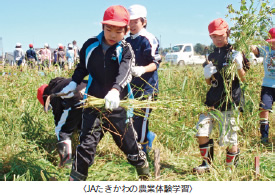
(143, 20)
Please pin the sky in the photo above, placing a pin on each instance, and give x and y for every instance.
(62, 21)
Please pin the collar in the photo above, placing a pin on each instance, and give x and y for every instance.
(226, 48)
(134, 36)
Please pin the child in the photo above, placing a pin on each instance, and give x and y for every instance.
(67, 114)
(61, 57)
(268, 86)
(76, 52)
(107, 59)
(145, 83)
(216, 98)
(31, 56)
(46, 56)
(18, 54)
(70, 56)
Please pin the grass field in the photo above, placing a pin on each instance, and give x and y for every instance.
(28, 141)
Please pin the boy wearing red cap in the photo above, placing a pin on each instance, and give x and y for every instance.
(107, 59)
(216, 98)
(145, 81)
(268, 86)
(61, 57)
(67, 114)
(31, 56)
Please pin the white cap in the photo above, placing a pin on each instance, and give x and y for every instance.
(18, 44)
(137, 11)
(70, 45)
(46, 45)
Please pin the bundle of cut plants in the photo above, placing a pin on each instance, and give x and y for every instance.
(94, 102)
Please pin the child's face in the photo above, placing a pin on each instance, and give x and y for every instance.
(220, 40)
(113, 34)
(136, 25)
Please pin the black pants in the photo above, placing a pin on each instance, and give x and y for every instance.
(69, 120)
(93, 128)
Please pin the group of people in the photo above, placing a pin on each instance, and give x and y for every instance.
(121, 68)
(44, 57)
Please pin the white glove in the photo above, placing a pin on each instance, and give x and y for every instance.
(137, 71)
(237, 57)
(112, 99)
(70, 87)
(209, 70)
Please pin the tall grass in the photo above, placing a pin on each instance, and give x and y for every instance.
(28, 141)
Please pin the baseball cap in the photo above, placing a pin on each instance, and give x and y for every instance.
(137, 11)
(271, 35)
(40, 92)
(31, 45)
(116, 15)
(18, 44)
(218, 27)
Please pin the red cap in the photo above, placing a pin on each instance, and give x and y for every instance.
(218, 27)
(271, 35)
(60, 47)
(31, 45)
(116, 15)
(40, 92)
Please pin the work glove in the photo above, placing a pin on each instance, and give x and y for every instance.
(137, 71)
(71, 87)
(209, 70)
(237, 58)
(112, 99)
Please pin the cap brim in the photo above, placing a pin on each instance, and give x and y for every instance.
(114, 23)
(270, 40)
(218, 32)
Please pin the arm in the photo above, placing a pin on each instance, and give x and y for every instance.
(151, 54)
(238, 59)
(208, 81)
(255, 50)
(124, 76)
(241, 74)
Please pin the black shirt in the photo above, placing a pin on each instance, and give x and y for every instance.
(216, 96)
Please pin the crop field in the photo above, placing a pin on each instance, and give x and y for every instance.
(28, 141)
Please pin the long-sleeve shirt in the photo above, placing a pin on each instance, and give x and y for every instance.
(106, 71)
(145, 46)
(18, 54)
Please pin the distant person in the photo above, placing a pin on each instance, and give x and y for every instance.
(145, 82)
(268, 86)
(61, 57)
(216, 99)
(107, 59)
(18, 54)
(76, 52)
(31, 56)
(67, 114)
(46, 56)
(70, 55)
(55, 61)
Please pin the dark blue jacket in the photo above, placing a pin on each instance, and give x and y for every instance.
(106, 71)
(30, 53)
(216, 96)
(145, 46)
